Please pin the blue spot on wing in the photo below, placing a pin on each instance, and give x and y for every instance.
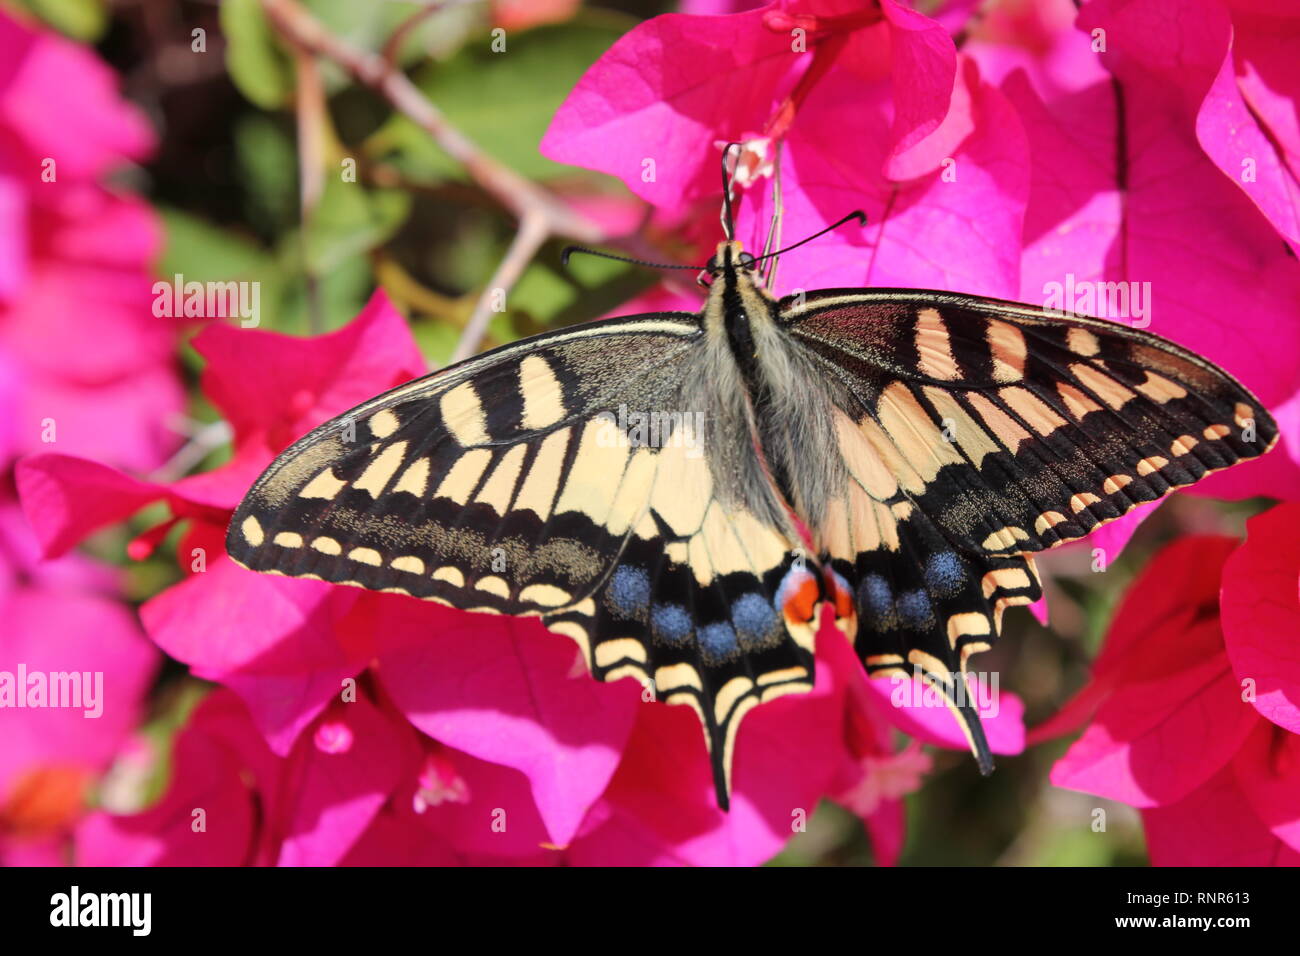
(876, 601)
(754, 618)
(629, 591)
(670, 622)
(944, 573)
(915, 610)
(718, 640)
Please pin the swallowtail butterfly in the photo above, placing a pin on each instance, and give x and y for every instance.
(679, 493)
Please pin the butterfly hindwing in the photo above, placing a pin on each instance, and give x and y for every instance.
(717, 613)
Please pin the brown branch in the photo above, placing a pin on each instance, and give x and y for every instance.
(540, 213)
(310, 110)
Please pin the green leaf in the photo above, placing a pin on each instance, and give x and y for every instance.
(541, 293)
(82, 20)
(437, 340)
(258, 66)
(341, 292)
(437, 36)
(268, 165)
(350, 221)
(502, 101)
(203, 252)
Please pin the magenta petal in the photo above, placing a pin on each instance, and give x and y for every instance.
(1153, 742)
(1112, 537)
(61, 101)
(335, 795)
(273, 640)
(1230, 136)
(500, 818)
(1269, 79)
(397, 838)
(904, 703)
(962, 235)
(1260, 605)
(67, 498)
(1040, 610)
(219, 767)
(1229, 296)
(1268, 773)
(662, 807)
(923, 67)
(887, 828)
(14, 229)
(505, 691)
(56, 630)
(664, 93)
(1186, 43)
(119, 422)
(1213, 826)
(265, 380)
(623, 840)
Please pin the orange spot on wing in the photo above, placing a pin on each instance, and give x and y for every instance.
(800, 597)
(841, 596)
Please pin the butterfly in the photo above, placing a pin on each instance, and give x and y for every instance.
(680, 493)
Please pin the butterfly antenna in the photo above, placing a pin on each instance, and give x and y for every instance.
(857, 214)
(570, 250)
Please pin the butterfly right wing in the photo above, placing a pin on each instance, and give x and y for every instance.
(976, 432)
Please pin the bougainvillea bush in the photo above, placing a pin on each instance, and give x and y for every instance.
(1149, 708)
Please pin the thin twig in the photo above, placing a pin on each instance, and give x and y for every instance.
(533, 231)
(540, 213)
(393, 48)
(206, 439)
(311, 119)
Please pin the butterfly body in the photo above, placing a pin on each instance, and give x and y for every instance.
(679, 494)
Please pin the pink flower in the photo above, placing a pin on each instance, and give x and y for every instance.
(74, 669)
(232, 801)
(1260, 604)
(1194, 716)
(92, 369)
(84, 367)
(874, 107)
(271, 639)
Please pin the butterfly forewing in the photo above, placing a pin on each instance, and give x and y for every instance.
(483, 487)
(1015, 430)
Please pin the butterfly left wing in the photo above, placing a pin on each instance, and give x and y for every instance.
(976, 432)
(506, 484)
(484, 486)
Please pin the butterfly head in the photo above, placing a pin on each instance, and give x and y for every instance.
(730, 259)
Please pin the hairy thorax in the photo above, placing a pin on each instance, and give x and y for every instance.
(774, 405)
